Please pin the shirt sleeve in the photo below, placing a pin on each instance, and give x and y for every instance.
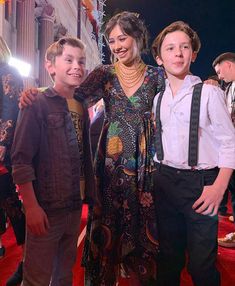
(25, 145)
(92, 89)
(223, 129)
(160, 79)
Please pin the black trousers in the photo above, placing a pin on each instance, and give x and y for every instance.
(10, 203)
(231, 188)
(2, 221)
(181, 230)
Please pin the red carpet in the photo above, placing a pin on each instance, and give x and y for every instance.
(226, 258)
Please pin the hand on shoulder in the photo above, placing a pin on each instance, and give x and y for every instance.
(28, 97)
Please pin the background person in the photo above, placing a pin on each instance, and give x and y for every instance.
(11, 85)
(224, 66)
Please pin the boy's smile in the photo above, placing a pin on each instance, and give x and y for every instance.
(68, 70)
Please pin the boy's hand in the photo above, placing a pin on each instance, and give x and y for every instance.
(209, 201)
(27, 97)
(211, 82)
(36, 220)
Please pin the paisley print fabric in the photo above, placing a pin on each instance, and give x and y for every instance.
(121, 232)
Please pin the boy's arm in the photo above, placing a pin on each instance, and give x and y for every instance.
(224, 135)
(25, 148)
(36, 218)
(209, 201)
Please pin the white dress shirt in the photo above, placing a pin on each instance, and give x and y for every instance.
(216, 132)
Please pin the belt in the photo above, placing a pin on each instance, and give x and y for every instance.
(165, 168)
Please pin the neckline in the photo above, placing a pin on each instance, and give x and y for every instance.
(139, 88)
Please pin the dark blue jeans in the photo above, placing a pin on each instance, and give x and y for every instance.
(183, 231)
(51, 257)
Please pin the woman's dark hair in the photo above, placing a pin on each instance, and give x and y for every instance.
(131, 25)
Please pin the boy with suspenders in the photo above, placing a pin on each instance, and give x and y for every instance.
(195, 157)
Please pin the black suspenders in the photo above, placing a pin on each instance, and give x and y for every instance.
(193, 128)
(158, 137)
(194, 125)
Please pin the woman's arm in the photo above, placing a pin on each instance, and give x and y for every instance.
(94, 86)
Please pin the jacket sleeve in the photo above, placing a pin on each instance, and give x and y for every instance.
(25, 145)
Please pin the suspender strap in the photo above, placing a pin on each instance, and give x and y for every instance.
(194, 125)
(193, 129)
(158, 137)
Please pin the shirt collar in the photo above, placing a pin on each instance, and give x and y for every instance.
(189, 82)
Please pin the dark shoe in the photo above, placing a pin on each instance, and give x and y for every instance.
(2, 251)
(16, 277)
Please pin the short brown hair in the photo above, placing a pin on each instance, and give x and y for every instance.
(5, 52)
(56, 49)
(176, 26)
(224, 57)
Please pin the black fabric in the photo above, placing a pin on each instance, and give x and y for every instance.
(158, 136)
(2, 221)
(194, 125)
(10, 203)
(183, 231)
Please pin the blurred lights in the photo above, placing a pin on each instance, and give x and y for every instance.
(22, 67)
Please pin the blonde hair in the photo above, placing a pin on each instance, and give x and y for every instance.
(56, 49)
(5, 52)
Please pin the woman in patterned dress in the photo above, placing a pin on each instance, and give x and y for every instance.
(121, 232)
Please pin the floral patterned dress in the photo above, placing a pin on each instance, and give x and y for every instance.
(121, 232)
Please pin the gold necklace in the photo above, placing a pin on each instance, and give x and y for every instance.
(129, 76)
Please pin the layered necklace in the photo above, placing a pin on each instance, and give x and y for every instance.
(130, 76)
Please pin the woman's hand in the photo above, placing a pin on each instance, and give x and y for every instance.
(211, 82)
(27, 97)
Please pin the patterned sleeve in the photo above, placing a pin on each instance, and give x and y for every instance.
(160, 79)
(11, 86)
(93, 88)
